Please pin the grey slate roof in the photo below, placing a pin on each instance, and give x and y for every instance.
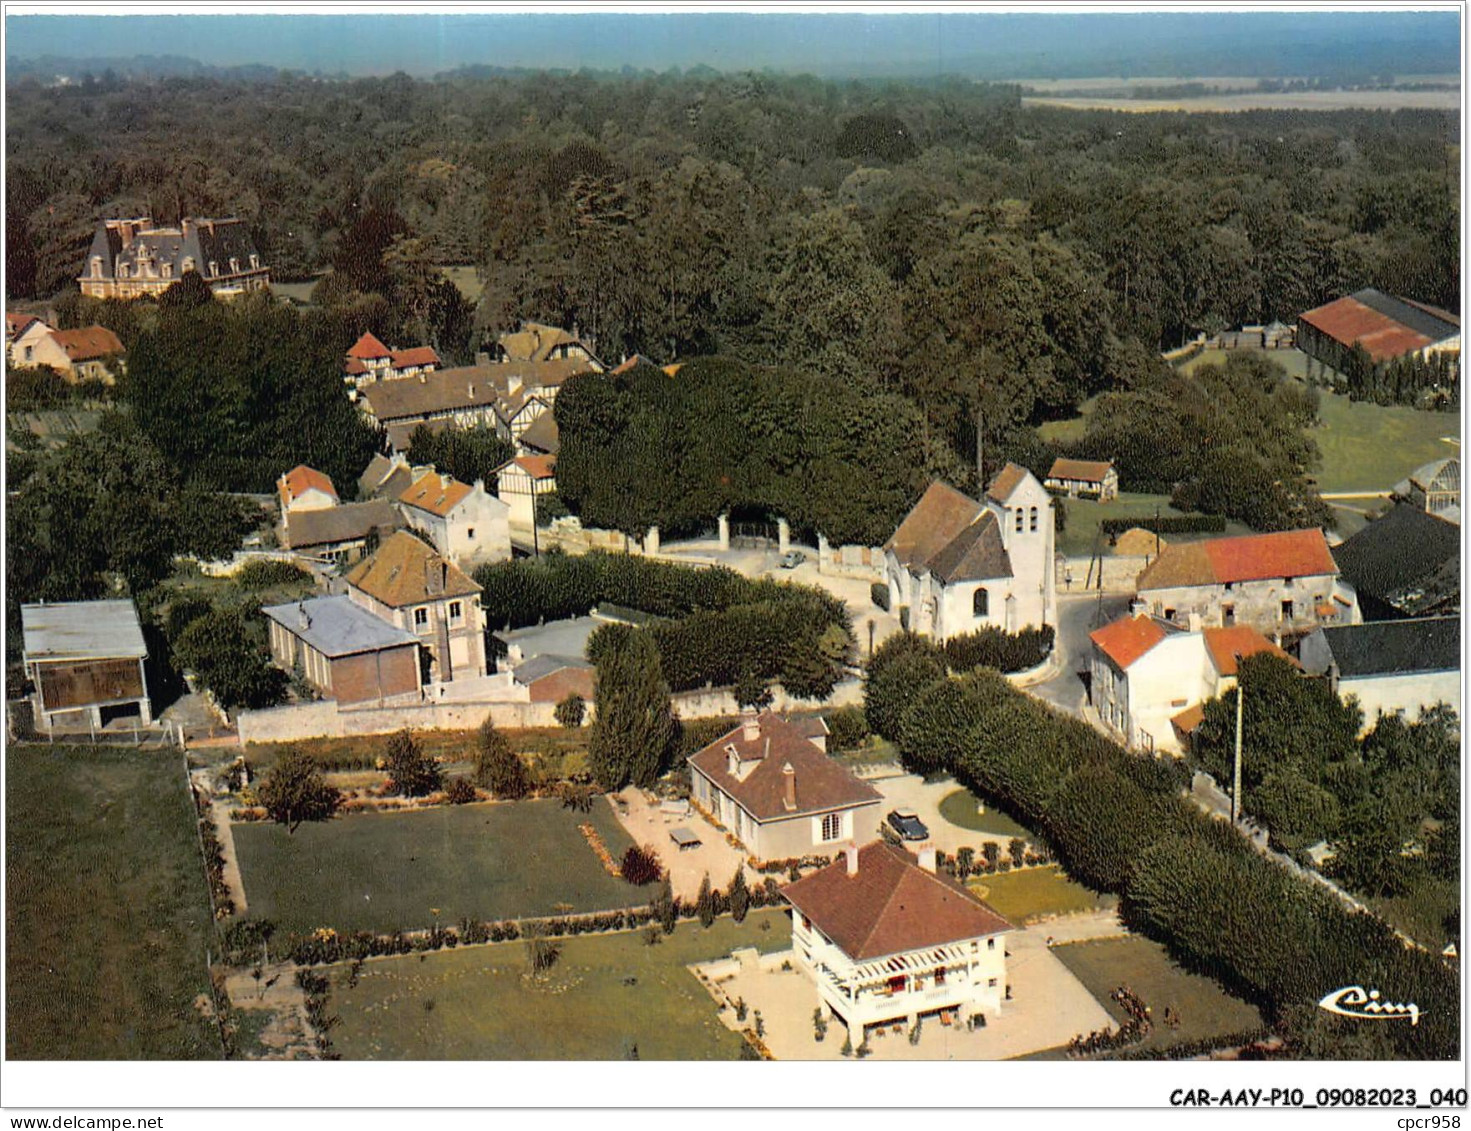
(1416, 317)
(545, 664)
(335, 626)
(1406, 563)
(348, 522)
(206, 241)
(77, 630)
(1395, 647)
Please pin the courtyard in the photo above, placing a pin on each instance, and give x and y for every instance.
(391, 871)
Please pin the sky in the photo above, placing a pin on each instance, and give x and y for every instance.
(986, 45)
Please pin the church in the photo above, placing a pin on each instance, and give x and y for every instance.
(958, 565)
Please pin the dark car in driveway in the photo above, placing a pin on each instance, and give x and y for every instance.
(907, 824)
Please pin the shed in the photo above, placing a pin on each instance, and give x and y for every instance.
(85, 660)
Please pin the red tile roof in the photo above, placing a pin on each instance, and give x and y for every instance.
(87, 343)
(1252, 557)
(1188, 719)
(822, 784)
(368, 348)
(1227, 645)
(1349, 321)
(15, 324)
(890, 906)
(353, 367)
(418, 355)
(1081, 470)
(301, 479)
(432, 493)
(1128, 638)
(538, 467)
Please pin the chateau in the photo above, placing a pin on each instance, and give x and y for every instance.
(138, 259)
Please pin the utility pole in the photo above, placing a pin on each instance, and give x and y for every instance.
(1236, 772)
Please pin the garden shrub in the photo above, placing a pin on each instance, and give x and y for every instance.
(267, 574)
(994, 648)
(847, 729)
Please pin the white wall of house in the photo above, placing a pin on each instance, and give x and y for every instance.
(518, 490)
(1139, 702)
(475, 531)
(967, 976)
(1408, 694)
(785, 838)
(312, 499)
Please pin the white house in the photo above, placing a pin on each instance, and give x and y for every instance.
(465, 523)
(887, 939)
(769, 782)
(1149, 677)
(1395, 667)
(305, 489)
(1095, 479)
(1278, 583)
(959, 565)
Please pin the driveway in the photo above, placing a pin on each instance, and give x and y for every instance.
(1078, 614)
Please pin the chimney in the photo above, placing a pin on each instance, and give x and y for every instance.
(750, 725)
(513, 384)
(732, 762)
(445, 480)
(480, 486)
(851, 852)
(789, 788)
(184, 225)
(927, 857)
(432, 585)
(1137, 608)
(305, 620)
(422, 380)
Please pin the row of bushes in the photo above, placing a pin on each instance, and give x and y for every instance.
(1120, 823)
(325, 946)
(1166, 524)
(214, 859)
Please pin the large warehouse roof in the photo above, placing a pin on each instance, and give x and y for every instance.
(1386, 327)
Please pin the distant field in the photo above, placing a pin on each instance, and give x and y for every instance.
(609, 997)
(1085, 515)
(298, 292)
(107, 917)
(1204, 1008)
(1105, 84)
(385, 871)
(466, 279)
(1448, 100)
(1295, 362)
(1369, 448)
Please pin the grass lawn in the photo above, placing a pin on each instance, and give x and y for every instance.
(1369, 448)
(1034, 893)
(1205, 1009)
(606, 994)
(107, 917)
(1085, 515)
(875, 751)
(385, 871)
(465, 280)
(1294, 361)
(960, 808)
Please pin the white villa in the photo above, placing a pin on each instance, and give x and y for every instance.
(888, 940)
(959, 565)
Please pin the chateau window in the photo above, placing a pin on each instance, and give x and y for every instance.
(234, 266)
(456, 612)
(1286, 610)
(981, 603)
(832, 826)
(97, 267)
(1034, 520)
(421, 618)
(187, 265)
(254, 262)
(214, 268)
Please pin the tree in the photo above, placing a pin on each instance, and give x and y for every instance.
(901, 667)
(705, 902)
(294, 790)
(468, 454)
(633, 733)
(666, 910)
(571, 711)
(739, 895)
(412, 772)
(751, 691)
(641, 865)
(497, 766)
(226, 649)
(189, 293)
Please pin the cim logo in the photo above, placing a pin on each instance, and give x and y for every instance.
(1354, 1001)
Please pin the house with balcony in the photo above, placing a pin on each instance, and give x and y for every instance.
(770, 784)
(888, 939)
(1282, 584)
(408, 584)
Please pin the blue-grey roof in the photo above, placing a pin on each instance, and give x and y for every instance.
(334, 626)
(545, 664)
(1395, 647)
(91, 630)
(557, 638)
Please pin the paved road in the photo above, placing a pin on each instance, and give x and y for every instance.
(1078, 614)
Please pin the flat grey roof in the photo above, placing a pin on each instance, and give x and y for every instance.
(77, 630)
(545, 664)
(557, 638)
(334, 626)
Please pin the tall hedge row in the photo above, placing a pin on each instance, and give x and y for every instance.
(1120, 823)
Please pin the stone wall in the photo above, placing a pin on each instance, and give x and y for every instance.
(864, 562)
(1120, 574)
(717, 702)
(327, 720)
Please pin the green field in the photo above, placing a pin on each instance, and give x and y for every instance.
(1369, 448)
(1085, 515)
(466, 280)
(1205, 1009)
(107, 917)
(606, 995)
(960, 809)
(1035, 893)
(385, 871)
(1295, 362)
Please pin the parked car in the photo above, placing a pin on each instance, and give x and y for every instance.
(907, 824)
(792, 559)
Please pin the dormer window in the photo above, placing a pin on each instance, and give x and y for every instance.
(254, 262)
(214, 269)
(97, 267)
(234, 266)
(187, 265)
